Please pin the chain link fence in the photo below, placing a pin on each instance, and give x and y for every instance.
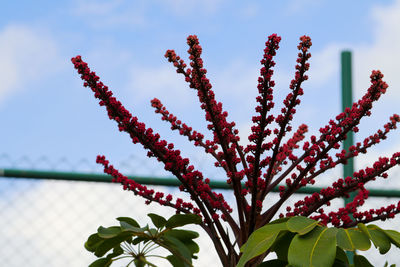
(46, 222)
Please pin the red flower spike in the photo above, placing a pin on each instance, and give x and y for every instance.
(336, 131)
(196, 137)
(224, 133)
(139, 189)
(267, 161)
(290, 102)
(139, 133)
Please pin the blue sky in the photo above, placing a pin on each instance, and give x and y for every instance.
(45, 110)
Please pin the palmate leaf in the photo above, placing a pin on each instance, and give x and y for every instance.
(109, 244)
(303, 242)
(175, 261)
(301, 225)
(260, 241)
(157, 220)
(316, 249)
(352, 239)
(273, 263)
(129, 221)
(341, 256)
(182, 234)
(177, 241)
(103, 262)
(93, 242)
(177, 248)
(178, 220)
(282, 243)
(126, 227)
(394, 237)
(361, 261)
(108, 232)
(186, 237)
(379, 238)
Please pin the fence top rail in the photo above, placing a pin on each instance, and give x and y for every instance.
(149, 180)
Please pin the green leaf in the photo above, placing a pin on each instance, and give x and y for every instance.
(177, 248)
(157, 220)
(178, 220)
(116, 252)
(280, 220)
(260, 241)
(103, 262)
(339, 263)
(282, 243)
(273, 263)
(192, 246)
(301, 225)
(352, 239)
(341, 255)
(93, 242)
(109, 232)
(139, 239)
(186, 237)
(361, 261)
(110, 243)
(153, 232)
(364, 229)
(379, 238)
(175, 261)
(182, 234)
(129, 221)
(126, 227)
(316, 249)
(394, 236)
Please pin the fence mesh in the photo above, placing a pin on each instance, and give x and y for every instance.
(46, 222)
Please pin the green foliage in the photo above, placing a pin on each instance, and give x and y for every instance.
(118, 241)
(318, 248)
(302, 242)
(260, 242)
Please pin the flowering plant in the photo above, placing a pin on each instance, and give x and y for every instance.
(271, 159)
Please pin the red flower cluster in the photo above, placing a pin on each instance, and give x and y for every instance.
(141, 190)
(270, 160)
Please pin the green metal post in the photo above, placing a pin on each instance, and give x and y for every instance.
(347, 101)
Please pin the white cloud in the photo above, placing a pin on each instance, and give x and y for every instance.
(162, 82)
(116, 13)
(324, 64)
(238, 81)
(111, 13)
(383, 53)
(26, 55)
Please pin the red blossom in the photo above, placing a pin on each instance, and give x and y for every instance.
(270, 160)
